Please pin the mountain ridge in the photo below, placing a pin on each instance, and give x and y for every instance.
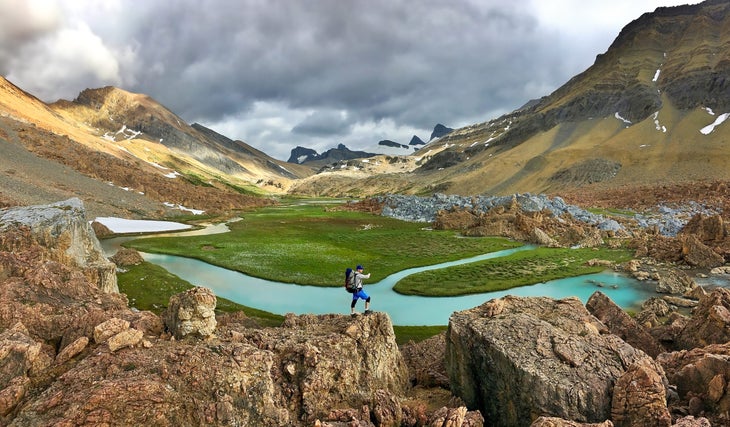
(647, 112)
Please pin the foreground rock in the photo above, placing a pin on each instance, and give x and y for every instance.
(73, 353)
(191, 313)
(710, 322)
(62, 228)
(622, 325)
(520, 358)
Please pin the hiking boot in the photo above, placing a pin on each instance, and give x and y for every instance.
(354, 314)
(368, 311)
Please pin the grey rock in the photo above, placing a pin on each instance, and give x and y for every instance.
(515, 357)
(63, 228)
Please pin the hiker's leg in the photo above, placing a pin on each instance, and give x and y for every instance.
(352, 305)
(367, 303)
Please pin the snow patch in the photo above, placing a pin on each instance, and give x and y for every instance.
(121, 225)
(183, 208)
(709, 111)
(656, 75)
(618, 116)
(718, 121)
(657, 125)
(173, 174)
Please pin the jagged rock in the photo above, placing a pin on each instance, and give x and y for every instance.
(386, 409)
(657, 306)
(455, 417)
(559, 422)
(675, 281)
(62, 227)
(705, 228)
(680, 301)
(701, 376)
(696, 293)
(632, 266)
(697, 254)
(100, 230)
(621, 324)
(639, 397)
(109, 328)
(541, 238)
(12, 394)
(690, 421)
(592, 239)
(710, 322)
(126, 257)
(720, 270)
(425, 361)
(72, 350)
(293, 375)
(18, 353)
(537, 356)
(191, 313)
(126, 338)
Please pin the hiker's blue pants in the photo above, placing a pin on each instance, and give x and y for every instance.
(361, 295)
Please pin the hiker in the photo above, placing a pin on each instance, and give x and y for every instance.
(359, 293)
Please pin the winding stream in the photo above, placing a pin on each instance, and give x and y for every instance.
(282, 298)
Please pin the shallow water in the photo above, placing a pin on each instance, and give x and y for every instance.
(282, 298)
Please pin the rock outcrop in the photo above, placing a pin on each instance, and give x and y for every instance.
(710, 322)
(63, 229)
(622, 325)
(73, 354)
(701, 377)
(191, 313)
(640, 397)
(520, 358)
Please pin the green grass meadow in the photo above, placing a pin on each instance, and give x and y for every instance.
(518, 269)
(311, 245)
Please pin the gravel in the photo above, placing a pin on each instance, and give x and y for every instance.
(668, 220)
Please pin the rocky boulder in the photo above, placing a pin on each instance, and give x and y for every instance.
(697, 254)
(63, 229)
(54, 275)
(559, 422)
(425, 361)
(640, 397)
(621, 324)
(191, 313)
(675, 281)
(701, 377)
(710, 322)
(126, 257)
(519, 358)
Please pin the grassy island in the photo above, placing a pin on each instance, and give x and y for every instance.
(518, 269)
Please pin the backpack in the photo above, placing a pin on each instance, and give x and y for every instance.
(350, 281)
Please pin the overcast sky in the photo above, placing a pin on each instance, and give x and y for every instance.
(315, 73)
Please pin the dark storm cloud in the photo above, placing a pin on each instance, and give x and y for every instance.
(324, 124)
(415, 62)
(281, 73)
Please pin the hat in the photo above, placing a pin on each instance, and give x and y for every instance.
(359, 267)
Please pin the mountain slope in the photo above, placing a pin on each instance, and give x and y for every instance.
(641, 106)
(48, 156)
(633, 118)
(121, 116)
